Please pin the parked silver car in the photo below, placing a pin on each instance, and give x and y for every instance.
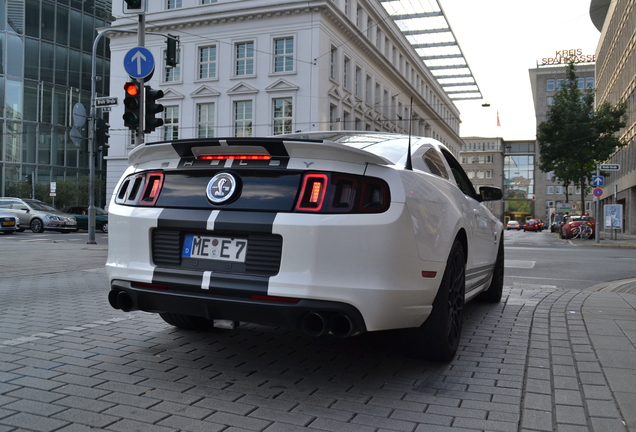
(9, 223)
(38, 216)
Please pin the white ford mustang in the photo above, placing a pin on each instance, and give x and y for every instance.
(330, 232)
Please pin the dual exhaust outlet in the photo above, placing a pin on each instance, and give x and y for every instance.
(318, 324)
(121, 300)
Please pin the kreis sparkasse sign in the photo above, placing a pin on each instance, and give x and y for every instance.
(564, 56)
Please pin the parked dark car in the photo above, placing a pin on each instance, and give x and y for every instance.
(81, 214)
(532, 225)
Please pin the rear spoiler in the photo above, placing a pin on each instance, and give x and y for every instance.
(275, 147)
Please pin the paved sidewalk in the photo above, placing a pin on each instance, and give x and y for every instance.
(543, 359)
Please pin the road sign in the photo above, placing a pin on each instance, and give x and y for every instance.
(610, 167)
(106, 101)
(76, 136)
(597, 192)
(139, 63)
(79, 115)
(598, 181)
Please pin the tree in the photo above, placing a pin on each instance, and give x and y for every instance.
(575, 137)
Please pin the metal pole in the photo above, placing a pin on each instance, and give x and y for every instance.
(141, 41)
(597, 211)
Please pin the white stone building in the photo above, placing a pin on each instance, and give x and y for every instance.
(265, 67)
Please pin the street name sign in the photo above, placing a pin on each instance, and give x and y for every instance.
(610, 167)
(106, 101)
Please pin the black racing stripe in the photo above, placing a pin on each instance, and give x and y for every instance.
(220, 283)
(180, 218)
(257, 222)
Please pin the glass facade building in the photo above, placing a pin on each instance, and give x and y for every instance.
(45, 69)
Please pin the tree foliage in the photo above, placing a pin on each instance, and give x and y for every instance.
(68, 192)
(575, 137)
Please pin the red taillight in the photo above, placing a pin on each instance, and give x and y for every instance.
(342, 193)
(312, 194)
(154, 181)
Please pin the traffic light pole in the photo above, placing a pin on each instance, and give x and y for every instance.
(141, 41)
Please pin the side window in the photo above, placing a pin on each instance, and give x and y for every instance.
(434, 163)
(463, 183)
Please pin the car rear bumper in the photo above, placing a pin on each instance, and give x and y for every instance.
(364, 266)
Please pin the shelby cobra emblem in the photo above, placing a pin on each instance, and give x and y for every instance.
(221, 188)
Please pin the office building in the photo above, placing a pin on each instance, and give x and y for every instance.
(616, 82)
(45, 69)
(265, 67)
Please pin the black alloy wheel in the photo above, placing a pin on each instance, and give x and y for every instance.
(438, 338)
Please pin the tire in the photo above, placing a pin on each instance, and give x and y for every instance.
(37, 226)
(104, 228)
(495, 290)
(438, 338)
(186, 322)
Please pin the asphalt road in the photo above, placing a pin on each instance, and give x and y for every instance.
(71, 363)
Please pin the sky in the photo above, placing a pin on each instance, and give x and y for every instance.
(501, 41)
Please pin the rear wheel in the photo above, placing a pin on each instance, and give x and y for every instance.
(37, 226)
(104, 227)
(438, 338)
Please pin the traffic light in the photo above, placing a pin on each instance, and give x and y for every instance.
(131, 105)
(101, 132)
(134, 6)
(152, 108)
(171, 50)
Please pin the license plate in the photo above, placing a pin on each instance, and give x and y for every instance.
(8, 223)
(214, 248)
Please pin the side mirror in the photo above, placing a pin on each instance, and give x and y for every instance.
(25, 209)
(489, 193)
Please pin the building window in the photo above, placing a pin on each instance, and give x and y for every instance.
(332, 117)
(549, 190)
(173, 73)
(559, 84)
(580, 83)
(589, 82)
(560, 190)
(550, 85)
(283, 116)
(173, 4)
(244, 58)
(334, 62)
(345, 72)
(549, 101)
(171, 123)
(208, 1)
(243, 118)
(205, 114)
(207, 62)
(549, 175)
(488, 174)
(489, 159)
(284, 55)
(358, 84)
(367, 90)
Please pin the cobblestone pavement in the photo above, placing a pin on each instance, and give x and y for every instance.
(542, 360)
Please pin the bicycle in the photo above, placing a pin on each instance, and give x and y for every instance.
(583, 231)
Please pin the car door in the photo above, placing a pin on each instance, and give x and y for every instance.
(483, 235)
